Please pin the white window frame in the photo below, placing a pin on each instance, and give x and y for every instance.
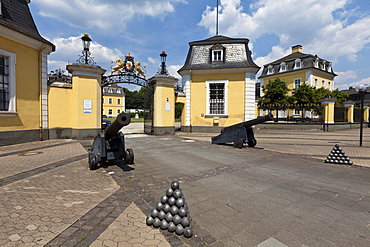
(322, 83)
(110, 112)
(294, 82)
(282, 67)
(329, 85)
(12, 59)
(316, 63)
(270, 69)
(118, 101)
(297, 63)
(226, 82)
(215, 58)
(323, 65)
(316, 82)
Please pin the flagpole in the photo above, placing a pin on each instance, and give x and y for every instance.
(217, 19)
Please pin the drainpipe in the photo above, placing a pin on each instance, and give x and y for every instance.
(40, 90)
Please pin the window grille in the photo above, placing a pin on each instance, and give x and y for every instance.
(4, 83)
(217, 98)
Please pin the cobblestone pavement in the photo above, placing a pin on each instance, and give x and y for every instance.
(277, 194)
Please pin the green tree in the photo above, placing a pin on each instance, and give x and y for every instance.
(304, 98)
(340, 96)
(275, 96)
(134, 99)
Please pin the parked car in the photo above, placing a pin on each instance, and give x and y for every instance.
(105, 123)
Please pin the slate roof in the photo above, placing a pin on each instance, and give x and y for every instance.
(16, 15)
(307, 61)
(237, 54)
(112, 89)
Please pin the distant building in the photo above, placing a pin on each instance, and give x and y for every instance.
(354, 96)
(23, 75)
(298, 68)
(113, 100)
(218, 79)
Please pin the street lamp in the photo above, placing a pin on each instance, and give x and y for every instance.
(163, 70)
(85, 57)
(362, 90)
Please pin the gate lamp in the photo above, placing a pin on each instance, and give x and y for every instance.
(85, 57)
(163, 70)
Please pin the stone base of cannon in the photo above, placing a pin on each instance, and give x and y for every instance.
(240, 133)
(110, 144)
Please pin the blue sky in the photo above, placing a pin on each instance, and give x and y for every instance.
(335, 30)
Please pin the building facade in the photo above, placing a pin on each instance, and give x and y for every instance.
(23, 75)
(218, 78)
(298, 68)
(113, 100)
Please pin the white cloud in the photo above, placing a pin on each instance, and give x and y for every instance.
(311, 23)
(342, 81)
(172, 69)
(151, 60)
(106, 15)
(363, 82)
(67, 48)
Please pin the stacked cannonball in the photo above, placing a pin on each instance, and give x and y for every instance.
(337, 156)
(172, 213)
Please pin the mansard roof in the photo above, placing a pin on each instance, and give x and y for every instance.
(307, 62)
(237, 54)
(16, 15)
(113, 89)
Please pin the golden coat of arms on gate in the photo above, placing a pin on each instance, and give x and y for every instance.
(128, 65)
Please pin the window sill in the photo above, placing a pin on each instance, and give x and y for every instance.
(216, 115)
(8, 114)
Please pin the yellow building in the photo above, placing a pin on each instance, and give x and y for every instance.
(113, 100)
(23, 75)
(298, 68)
(219, 78)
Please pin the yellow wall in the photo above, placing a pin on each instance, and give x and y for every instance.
(60, 107)
(236, 95)
(114, 106)
(164, 94)
(28, 77)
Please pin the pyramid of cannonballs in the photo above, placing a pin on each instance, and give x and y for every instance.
(337, 156)
(172, 213)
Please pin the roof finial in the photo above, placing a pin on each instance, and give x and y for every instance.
(217, 18)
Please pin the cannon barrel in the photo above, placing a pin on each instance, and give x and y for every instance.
(123, 119)
(252, 122)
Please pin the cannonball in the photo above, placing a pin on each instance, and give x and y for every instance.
(154, 213)
(156, 222)
(175, 185)
(159, 206)
(171, 201)
(149, 220)
(188, 232)
(169, 217)
(185, 222)
(326, 161)
(336, 162)
(350, 162)
(180, 202)
(171, 227)
(164, 225)
(176, 219)
(174, 210)
(183, 212)
(179, 229)
(164, 199)
(337, 145)
(166, 208)
(169, 192)
(345, 162)
(339, 148)
(340, 161)
(161, 215)
(177, 194)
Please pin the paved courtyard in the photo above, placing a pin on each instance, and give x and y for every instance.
(279, 193)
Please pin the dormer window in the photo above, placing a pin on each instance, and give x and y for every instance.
(323, 65)
(110, 90)
(282, 67)
(119, 91)
(217, 53)
(297, 63)
(316, 63)
(329, 67)
(270, 69)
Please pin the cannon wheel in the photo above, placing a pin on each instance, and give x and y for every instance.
(93, 161)
(252, 142)
(238, 143)
(130, 156)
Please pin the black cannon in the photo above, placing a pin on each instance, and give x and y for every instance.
(240, 133)
(109, 145)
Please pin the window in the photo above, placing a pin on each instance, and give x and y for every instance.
(119, 91)
(7, 82)
(316, 63)
(270, 69)
(110, 112)
(110, 101)
(323, 83)
(329, 85)
(296, 112)
(110, 90)
(323, 66)
(118, 101)
(217, 97)
(118, 111)
(282, 67)
(217, 55)
(297, 82)
(329, 67)
(297, 63)
(316, 81)
(103, 100)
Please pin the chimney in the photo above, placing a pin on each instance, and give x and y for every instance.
(296, 48)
